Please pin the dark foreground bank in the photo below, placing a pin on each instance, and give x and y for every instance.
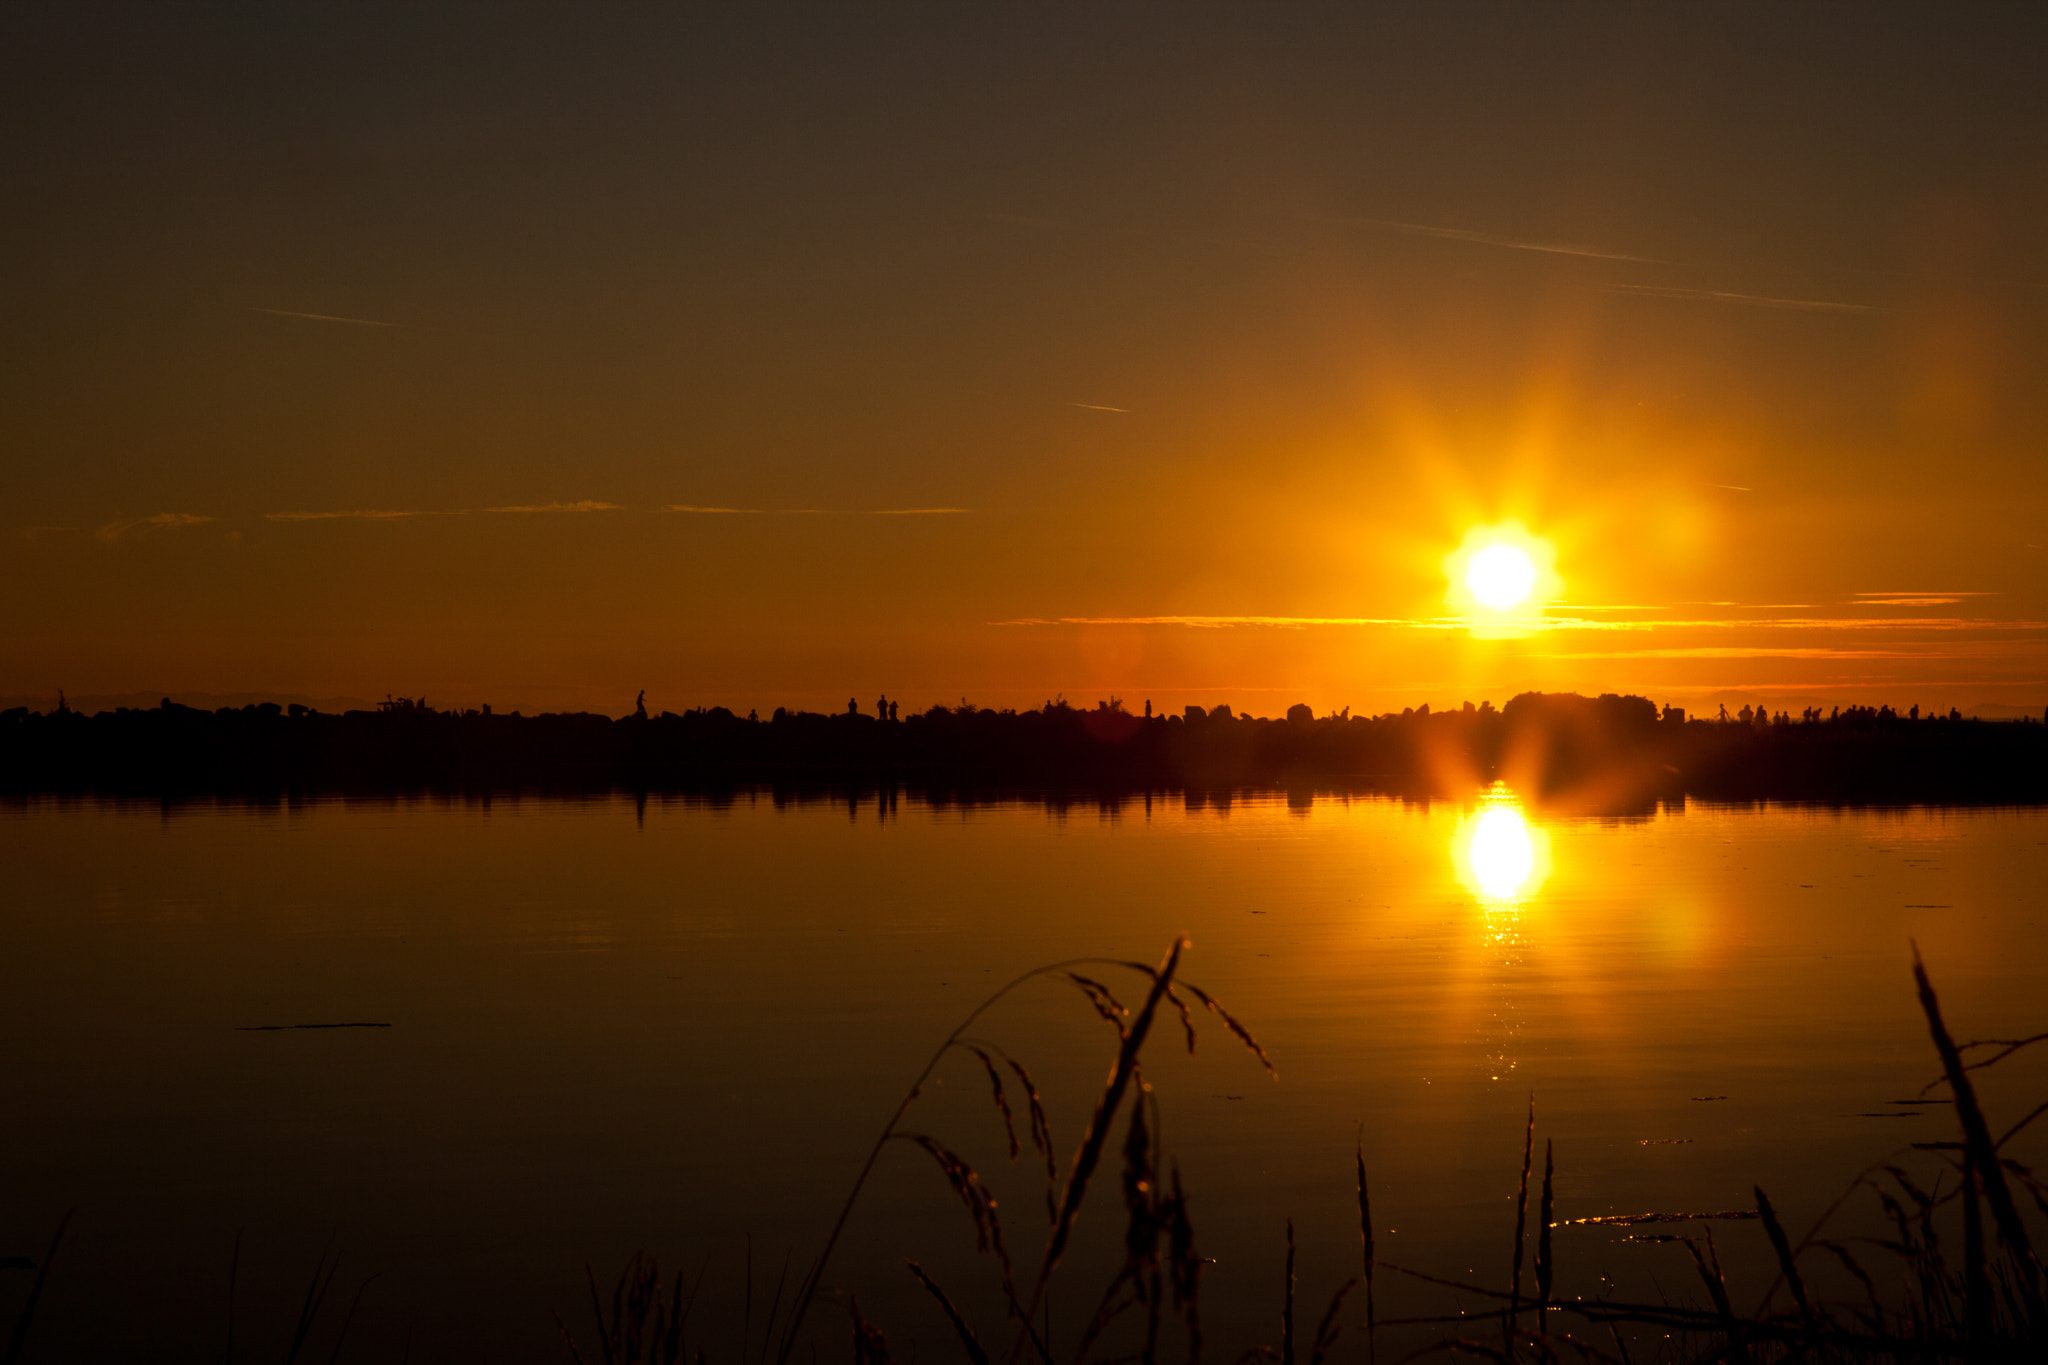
(1609, 752)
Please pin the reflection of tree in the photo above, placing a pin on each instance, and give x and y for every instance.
(1608, 754)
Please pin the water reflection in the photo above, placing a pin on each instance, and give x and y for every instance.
(1500, 856)
(1502, 859)
(1502, 853)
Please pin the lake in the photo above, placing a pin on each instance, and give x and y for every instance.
(677, 1024)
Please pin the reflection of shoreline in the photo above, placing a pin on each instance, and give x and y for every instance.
(1564, 753)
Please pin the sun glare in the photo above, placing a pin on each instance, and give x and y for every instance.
(1502, 853)
(1501, 576)
(1499, 580)
(1500, 856)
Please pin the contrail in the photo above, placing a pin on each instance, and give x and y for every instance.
(322, 317)
(1507, 243)
(1660, 291)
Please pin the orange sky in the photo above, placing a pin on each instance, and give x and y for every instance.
(1055, 352)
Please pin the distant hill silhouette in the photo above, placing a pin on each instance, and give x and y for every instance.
(1609, 753)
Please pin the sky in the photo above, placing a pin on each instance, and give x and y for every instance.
(760, 357)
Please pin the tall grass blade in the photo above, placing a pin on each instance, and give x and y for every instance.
(774, 1307)
(1709, 1265)
(316, 1294)
(567, 1340)
(1243, 1034)
(1365, 1247)
(1545, 1208)
(870, 1347)
(1976, 1285)
(1329, 1329)
(35, 1293)
(1512, 1324)
(1186, 1266)
(1287, 1306)
(807, 1290)
(349, 1320)
(1983, 1154)
(1090, 1151)
(1187, 1020)
(976, 1353)
(234, 1273)
(1787, 1266)
(995, 1081)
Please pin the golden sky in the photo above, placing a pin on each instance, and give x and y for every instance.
(766, 359)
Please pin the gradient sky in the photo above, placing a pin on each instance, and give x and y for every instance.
(362, 349)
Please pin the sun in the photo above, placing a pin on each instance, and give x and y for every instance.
(1500, 579)
(1501, 576)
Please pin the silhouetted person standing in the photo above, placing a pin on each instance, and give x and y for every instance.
(640, 705)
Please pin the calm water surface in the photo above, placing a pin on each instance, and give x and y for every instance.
(663, 1024)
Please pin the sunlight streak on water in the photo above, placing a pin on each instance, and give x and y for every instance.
(1500, 856)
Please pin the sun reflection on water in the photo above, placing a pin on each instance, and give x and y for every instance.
(1502, 860)
(1500, 856)
(1501, 852)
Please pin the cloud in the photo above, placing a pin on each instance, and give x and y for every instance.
(1761, 652)
(1225, 622)
(380, 514)
(1095, 407)
(1662, 291)
(365, 514)
(587, 505)
(817, 511)
(1917, 598)
(1550, 624)
(114, 530)
(323, 317)
(1506, 243)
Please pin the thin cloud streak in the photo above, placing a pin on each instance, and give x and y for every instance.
(114, 530)
(365, 514)
(1225, 622)
(379, 514)
(818, 511)
(1506, 243)
(323, 317)
(1734, 652)
(1663, 291)
(1096, 407)
(1549, 624)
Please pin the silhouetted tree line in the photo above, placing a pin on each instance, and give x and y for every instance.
(1601, 753)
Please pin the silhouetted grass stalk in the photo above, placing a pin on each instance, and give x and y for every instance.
(1154, 1215)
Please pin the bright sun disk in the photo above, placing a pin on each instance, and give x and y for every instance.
(1501, 576)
